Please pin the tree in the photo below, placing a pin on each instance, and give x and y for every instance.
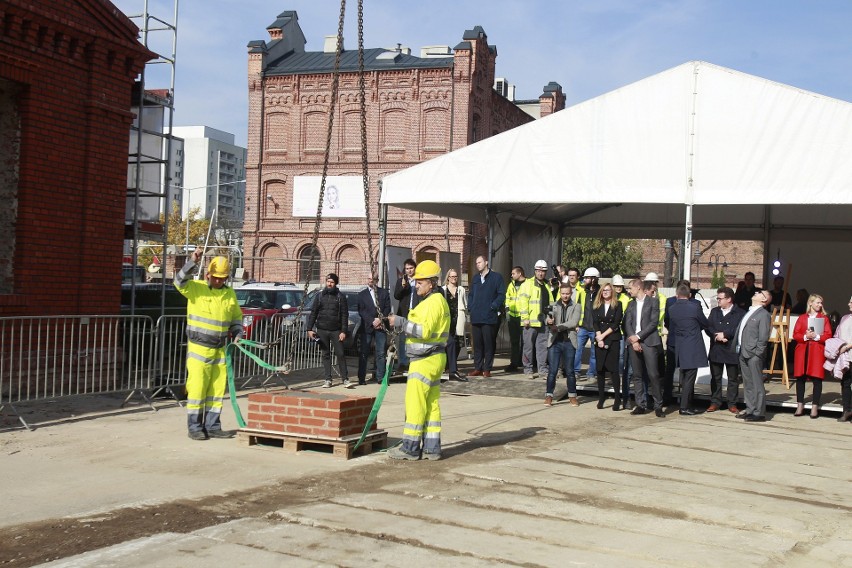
(177, 235)
(610, 256)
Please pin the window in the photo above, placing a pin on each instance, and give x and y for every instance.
(305, 266)
(10, 145)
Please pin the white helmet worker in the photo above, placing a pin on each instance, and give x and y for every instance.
(541, 265)
(591, 272)
(617, 280)
(651, 277)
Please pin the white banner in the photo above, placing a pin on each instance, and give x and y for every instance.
(344, 196)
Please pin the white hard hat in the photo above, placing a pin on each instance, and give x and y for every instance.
(651, 277)
(541, 265)
(591, 272)
(617, 280)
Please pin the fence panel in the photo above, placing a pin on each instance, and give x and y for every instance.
(53, 356)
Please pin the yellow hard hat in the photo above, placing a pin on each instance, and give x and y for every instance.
(427, 269)
(219, 267)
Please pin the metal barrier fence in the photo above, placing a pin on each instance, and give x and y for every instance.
(56, 356)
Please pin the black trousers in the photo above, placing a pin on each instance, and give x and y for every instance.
(484, 345)
(846, 391)
(331, 340)
(734, 381)
(800, 389)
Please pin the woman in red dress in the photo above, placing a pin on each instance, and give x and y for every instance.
(810, 354)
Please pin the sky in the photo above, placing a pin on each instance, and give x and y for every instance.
(589, 47)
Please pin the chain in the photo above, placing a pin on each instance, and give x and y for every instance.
(335, 80)
(364, 162)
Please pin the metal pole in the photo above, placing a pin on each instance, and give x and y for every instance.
(383, 241)
(687, 243)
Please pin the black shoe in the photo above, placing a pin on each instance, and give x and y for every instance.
(197, 435)
(362, 382)
(220, 434)
(754, 418)
(742, 415)
(659, 412)
(689, 412)
(600, 404)
(458, 377)
(511, 369)
(638, 410)
(845, 417)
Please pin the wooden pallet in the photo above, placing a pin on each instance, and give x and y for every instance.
(338, 447)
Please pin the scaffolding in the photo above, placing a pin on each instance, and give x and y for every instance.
(149, 163)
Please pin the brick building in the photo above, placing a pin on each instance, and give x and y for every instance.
(66, 72)
(417, 108)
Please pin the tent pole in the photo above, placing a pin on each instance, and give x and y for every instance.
(383, 240)
(687, 243)
(490, 243)
(767, 219)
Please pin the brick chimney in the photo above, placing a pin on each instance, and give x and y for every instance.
(552, 99)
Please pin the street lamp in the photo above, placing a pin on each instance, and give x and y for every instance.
(713, 263)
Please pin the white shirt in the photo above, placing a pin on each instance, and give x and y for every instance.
(639, 304)
(726, 312)
(750, 313)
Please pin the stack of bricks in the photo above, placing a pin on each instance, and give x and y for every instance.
(307, 413)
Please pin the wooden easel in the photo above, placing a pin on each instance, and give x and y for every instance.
(780, 334)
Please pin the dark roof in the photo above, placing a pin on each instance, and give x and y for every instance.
(292, 63)
(283, 19)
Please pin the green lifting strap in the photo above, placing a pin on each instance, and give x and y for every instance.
(380, 397)
(229, 364)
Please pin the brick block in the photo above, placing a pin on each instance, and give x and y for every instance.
(328, 415)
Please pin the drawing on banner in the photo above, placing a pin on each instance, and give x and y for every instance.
(343, 197)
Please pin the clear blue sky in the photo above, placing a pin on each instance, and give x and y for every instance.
(589, 47)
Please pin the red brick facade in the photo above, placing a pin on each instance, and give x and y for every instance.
(413, 114)
(66, 72)
(308, 413)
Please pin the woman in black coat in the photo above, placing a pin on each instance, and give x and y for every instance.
(606, 319)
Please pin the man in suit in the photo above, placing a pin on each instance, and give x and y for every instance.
(404, 293)
(485, 300)
(724, 321)
(685, 320)
(750, 342)
(644, 344)
(372, 300)
(671, 342)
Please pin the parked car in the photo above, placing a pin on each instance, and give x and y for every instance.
(148, 300)
(259, 301)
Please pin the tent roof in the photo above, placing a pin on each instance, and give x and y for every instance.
(629, 160)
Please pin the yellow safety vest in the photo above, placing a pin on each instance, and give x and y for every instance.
(427, 327)
(512, 298)
(210, 313)
(529, 301)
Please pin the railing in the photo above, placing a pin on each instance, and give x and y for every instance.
(56, 356)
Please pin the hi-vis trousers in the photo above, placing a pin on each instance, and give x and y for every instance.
(205, 387)
(422, 412)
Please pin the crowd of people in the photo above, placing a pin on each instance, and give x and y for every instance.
(550, 322)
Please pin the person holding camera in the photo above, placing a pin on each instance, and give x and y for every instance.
(534, 298)
(563, 317)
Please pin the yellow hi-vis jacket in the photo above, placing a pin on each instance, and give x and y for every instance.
(211, 314)
(662, 299)
(427, 327)
(529, 302)
(512, 298)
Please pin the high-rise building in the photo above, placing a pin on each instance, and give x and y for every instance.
(213, 170)
(417, 108)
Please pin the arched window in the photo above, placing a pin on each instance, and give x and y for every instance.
(305, 267)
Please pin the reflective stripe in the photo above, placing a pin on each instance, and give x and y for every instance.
(413, 329)
(197, 318)
(205, 360)
(425, 380)
(423, 350)
(433, 424)
(410, 426)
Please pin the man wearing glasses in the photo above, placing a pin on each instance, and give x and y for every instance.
(724, 320)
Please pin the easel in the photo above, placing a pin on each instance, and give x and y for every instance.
(780, 334)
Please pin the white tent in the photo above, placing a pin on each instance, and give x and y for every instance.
(696, 134)
(695, 151)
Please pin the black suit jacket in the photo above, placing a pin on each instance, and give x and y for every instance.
(724, 352)
(367, 308)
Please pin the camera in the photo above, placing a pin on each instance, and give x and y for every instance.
(545, 313)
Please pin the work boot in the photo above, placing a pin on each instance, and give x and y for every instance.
(220, 434)
(431, 456)
(199, 435)
(396, 453)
